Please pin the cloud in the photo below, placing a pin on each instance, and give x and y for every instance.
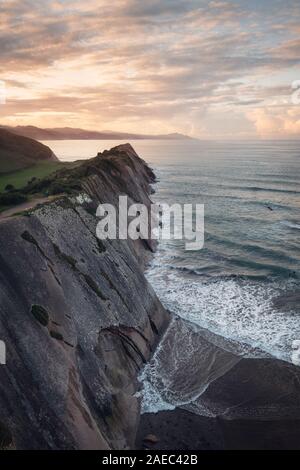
(277, 123)
(170, 62)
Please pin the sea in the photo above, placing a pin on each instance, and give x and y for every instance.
(244, 284)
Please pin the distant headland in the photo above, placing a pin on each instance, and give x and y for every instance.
(70, 133)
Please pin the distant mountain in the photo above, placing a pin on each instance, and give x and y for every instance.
(18, 152)
(70, 133)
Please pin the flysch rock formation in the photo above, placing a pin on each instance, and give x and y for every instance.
(228, 395)
(77, 316)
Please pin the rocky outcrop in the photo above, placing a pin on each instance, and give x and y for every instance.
(77, 315)
(17, 152)
(227, 395)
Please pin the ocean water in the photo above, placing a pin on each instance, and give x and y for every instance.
(251, 254)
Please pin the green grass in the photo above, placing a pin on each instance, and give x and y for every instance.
(20, 178)
(12, 161)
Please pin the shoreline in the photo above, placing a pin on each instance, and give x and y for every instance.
(177, 430)
(182, 430)
(251, 399)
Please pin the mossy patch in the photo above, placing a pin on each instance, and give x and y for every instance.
(63, 256)
(29, 238)
(91, 283)
(40, 314)
(56, 335)
(101, 246)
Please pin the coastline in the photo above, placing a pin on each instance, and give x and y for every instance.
(106, 323)
(242, 398)
(184, 431)
(177, 430)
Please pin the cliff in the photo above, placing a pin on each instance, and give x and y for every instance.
(77, 315)
(17, 152)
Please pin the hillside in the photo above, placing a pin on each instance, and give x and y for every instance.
(70, 133)
(18, 152)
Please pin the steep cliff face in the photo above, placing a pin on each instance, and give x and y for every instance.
(77, 315)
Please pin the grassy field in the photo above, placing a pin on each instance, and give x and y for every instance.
(20, 178)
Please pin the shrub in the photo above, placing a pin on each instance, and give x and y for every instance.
(32, 180)
(37, 186)
(9, 187)
(12, 198)
(57, 188)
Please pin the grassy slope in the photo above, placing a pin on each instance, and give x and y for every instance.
(20, 178)
(9, 161)
(22, 159)
(18, 152)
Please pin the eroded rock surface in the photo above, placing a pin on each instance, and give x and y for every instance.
(226, 395)
(77, 315)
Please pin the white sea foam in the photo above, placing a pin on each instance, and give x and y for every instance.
(172, 378)
(240, 310)
(290, 224)
(152, 398)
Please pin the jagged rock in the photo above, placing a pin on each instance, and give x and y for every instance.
(228, 395)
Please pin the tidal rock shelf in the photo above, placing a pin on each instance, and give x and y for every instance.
(226, 395)
(77, 315)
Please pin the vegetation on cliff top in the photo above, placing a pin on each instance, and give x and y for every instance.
(43, 179)
(56, 178)
(22, 160)
(19, 179)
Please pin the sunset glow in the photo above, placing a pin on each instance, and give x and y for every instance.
(218, 69)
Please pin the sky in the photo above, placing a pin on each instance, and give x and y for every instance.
(209, 69)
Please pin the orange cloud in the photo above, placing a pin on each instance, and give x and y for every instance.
(160, 64)
(276, 122)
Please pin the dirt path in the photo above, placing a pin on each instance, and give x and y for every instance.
(25, 206)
